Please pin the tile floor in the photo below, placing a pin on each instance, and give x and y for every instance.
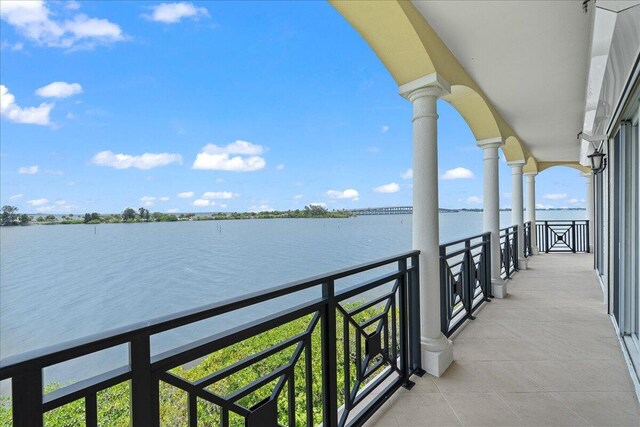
(547, 355)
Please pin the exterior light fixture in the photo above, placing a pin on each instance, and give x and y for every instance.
(598, 162)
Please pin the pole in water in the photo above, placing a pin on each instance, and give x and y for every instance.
(95, 229)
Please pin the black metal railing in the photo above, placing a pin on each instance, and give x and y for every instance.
(347, 350)
(508, 251)
(465, 280)
(563, 236)
(528, 249)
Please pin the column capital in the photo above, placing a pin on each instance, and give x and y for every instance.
(531, 174)
(490, 143)
(585, 175)
(516, 163)
(429, 85)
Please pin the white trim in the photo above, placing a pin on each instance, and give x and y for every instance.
(627, 359)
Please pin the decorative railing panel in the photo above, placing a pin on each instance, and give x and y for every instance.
(465, 279)
(333, 360)
(563, 236)
(528, 250)
(508, 251)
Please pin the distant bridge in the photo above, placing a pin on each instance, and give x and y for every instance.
(390, 210)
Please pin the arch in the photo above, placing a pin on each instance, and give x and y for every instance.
(574, 165)
(513, 150)
(531, 166)
(410, 49)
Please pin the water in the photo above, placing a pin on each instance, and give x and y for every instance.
(59, 283)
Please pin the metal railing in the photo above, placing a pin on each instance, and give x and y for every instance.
(563, 236)
(465, 280)
(508, 251)
(528, 249)
(365, 338)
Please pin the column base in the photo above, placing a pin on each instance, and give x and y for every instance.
(522, 263)
(534, 251)
(499, 288)
(436, 360)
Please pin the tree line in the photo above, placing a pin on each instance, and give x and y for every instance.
(11, 217)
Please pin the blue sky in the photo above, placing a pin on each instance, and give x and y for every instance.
(225, 106)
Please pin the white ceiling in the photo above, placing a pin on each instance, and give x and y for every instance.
(530, 58)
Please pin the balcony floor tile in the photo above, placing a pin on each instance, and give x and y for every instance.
(545, 355)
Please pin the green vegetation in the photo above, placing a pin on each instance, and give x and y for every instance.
(10, 216)
(114, 402)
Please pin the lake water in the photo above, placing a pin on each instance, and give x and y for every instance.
(59, 283)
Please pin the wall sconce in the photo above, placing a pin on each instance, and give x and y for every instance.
(598, 162)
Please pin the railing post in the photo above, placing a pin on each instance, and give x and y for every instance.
(546, 236)
(573, 236)
(414, 316)
(516, 245)
(26, 391)
(468, 283)
(404, 305)
(145, 409)
(588, 248)
(507, 255)
(329, 361)
(444, 292)
(487, 266)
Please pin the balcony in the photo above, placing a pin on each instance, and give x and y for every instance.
(546, 355)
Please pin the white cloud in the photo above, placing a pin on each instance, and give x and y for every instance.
(203, 202)
(387, 188)
(60, 206)
(555, 196)
(210, 195)
(147, 200)
(173, 210)
(219, 180)
(384, 129)
(56, 172)
(373, 149)
(186, 194)
(223, 205)
(28, 170)
(72, 5)
(37, 202)
(126, 161)
(164, 198)
(214, 157)
(261, 208)
(541, 206)
(33, 20)
(408, 174)
(280, 167)
(506, 195)
(172, 13)
(322, 205)
(298, 197)
(473, 200)
(346, 194)
(458, 173)
(28, 115)
(14, 47)
(59, 90)
(71, 116)
(16, 196)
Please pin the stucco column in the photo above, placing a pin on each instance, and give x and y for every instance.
(590, 208)
(436, 349)
(530, 178)
(517, 206)
(491, 210)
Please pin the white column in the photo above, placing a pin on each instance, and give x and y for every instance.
(491, 210)
(517, 206)
(436, 349)
(531, 209)
(590, 208)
